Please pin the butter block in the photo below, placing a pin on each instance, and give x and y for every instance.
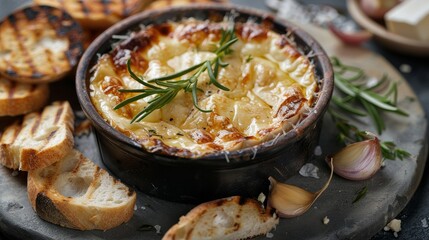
(410, 19)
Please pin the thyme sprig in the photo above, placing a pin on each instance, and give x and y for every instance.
(164, 89)
(360, 100)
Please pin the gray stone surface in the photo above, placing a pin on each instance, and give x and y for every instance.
(388, 192)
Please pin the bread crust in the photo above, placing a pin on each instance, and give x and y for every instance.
(41, 139)
(39, 44)
(169, 3)
(21, 98)
(97, 14)
(80, 211)
(201, 222)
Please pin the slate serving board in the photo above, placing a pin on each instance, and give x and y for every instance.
(388, 191)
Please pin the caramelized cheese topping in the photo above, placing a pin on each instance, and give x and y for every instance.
(272, 87)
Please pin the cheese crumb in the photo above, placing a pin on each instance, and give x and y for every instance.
(395, 226)
(326, 220)
(261, 197)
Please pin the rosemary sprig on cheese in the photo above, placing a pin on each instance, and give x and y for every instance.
(165, 88)
(360, 100)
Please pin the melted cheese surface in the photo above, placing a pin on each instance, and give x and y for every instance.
(272, 85)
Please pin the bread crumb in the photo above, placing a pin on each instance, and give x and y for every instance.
(326, 220)
(143, 207)
(269, 235)
(83, 128)
(135, 207)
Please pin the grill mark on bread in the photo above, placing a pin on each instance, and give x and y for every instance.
(23, 50)
(96, 179)
(11, 90)
(35, 125)
(32, 30)
(58, 114)
(51, 135)
(31, 150)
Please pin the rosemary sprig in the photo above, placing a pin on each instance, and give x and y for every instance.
(164, 89)
(360, 100)
(348, 79)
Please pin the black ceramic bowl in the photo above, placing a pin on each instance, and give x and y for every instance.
(240, 172)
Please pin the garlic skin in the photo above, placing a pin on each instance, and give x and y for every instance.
(358, 161)
(291, 201)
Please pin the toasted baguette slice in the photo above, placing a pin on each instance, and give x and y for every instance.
(75, 193)
(97, 14)
(229, 218)
(169, 3)
(21, 98)
(39, 44)
(40, 140)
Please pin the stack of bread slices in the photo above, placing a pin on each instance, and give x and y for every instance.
(64, 187)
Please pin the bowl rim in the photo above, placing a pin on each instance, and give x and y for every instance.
(392, 40)
(291, 136)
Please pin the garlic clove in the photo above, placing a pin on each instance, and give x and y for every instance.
(360, 160)
(292, 201)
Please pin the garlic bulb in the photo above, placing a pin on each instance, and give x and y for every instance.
(360, 160)
(291, 201)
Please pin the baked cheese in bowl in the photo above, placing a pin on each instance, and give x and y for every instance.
(260, 118)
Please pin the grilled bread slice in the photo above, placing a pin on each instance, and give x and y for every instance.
(40, 140)
(169, 3)
(21, 98)
(39, 44)
(97, 14)
(228, 218)
(75, 193)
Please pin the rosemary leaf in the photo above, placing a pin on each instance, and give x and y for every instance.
(146, 227)
(360, 194)
(347, 107)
